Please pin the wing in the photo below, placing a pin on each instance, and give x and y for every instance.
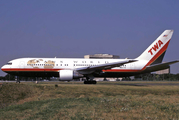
(91, 69)
(160, 66)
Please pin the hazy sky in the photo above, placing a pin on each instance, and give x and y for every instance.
(74, 28)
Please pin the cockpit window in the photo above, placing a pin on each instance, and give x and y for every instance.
(9, 63)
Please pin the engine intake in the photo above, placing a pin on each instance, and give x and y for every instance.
(67, 75)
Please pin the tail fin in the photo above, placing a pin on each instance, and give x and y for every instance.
(156, 51)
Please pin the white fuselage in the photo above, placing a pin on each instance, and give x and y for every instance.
(49, 65)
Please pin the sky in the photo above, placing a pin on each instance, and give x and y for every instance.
(74, 28)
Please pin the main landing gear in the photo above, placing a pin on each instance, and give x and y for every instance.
(90, 82)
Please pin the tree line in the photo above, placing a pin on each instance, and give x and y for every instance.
(157, 77)
(142, 77)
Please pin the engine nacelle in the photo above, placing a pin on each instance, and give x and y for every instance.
(67, 75)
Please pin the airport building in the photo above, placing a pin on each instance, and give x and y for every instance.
(101, 56)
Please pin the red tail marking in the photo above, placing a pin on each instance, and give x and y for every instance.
(160, 43)
(155, 47)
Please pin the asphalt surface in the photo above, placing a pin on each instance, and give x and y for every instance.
(124, 83)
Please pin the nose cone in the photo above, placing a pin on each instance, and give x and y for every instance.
(4, 68)
(7, 67)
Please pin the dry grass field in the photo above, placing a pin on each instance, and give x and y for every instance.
(103, 101)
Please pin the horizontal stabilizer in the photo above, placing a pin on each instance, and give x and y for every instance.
(160, 66)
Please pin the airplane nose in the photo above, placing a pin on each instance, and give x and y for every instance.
(4, 67)
(7, 67)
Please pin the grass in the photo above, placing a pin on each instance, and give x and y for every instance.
(76, 101)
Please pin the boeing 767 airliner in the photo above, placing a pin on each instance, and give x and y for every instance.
(72, 68)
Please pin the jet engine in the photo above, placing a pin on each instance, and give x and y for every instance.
(67, 75)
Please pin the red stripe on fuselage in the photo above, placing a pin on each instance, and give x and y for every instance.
(29, 70)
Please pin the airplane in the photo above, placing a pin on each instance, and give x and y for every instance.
(74, 68)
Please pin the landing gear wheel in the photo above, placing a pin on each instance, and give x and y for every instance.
(90, 82)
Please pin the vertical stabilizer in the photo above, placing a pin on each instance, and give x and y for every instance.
(156, 51)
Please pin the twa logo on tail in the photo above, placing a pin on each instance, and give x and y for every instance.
(155, 47)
